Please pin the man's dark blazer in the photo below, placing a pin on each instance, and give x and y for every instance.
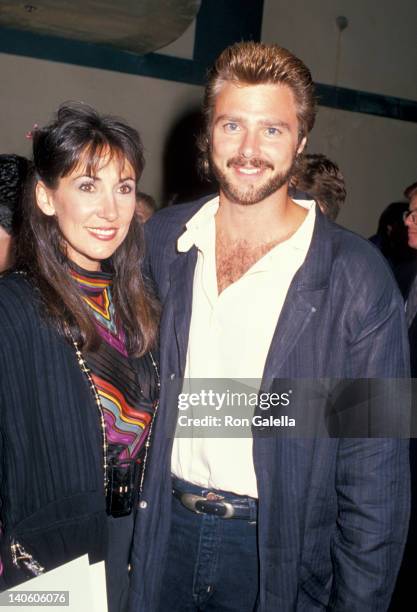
(333, 513)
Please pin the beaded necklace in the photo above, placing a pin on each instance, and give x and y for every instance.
(86, 371)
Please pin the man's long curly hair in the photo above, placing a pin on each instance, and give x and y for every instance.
(251, 63)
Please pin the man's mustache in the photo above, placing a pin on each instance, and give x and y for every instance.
(253, 162)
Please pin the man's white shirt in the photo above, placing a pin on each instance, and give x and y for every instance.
(230, 335)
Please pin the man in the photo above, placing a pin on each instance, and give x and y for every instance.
(145, 206)
(391, 234)
(13, 170)
(255, 285)
(322, 179)
(404, 591)
(410, 217)
(410, 194)
(410, 220)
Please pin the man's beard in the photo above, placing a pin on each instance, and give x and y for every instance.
(248, 195)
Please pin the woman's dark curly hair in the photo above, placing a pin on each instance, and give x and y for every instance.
(79, 135)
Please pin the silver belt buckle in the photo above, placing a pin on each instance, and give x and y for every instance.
(189, 500)
(230, 511)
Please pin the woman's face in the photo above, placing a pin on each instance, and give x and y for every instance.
(93, 212)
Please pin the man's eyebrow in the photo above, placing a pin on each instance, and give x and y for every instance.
(262, 122)
(231, 118)
(275, 123)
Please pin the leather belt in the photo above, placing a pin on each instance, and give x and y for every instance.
(217, 505)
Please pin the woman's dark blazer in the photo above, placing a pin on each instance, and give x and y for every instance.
(51, 470)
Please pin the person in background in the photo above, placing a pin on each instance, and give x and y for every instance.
(79, 382)
(320, 178)
(410, 221)
(257, 286)
(411, 194)
(145, 206)
(13, 171)
(405, 588)
(392, 240)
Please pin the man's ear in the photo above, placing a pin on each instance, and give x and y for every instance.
(44, 199)
(301, 146)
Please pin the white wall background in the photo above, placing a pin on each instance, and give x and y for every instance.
(378, 50)
(33, 90)
(377, 53)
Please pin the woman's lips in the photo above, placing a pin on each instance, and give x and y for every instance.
(103, 233)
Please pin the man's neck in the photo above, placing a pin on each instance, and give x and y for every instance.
(245, 233)
(274, 219)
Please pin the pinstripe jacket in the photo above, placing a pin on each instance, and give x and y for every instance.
(52, 501)
(333, 512)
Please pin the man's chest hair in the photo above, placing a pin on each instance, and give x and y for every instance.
(235, 258)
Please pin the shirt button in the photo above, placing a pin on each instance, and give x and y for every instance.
(172, 376)
(143, 504)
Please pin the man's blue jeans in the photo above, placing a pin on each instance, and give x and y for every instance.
(212, 563)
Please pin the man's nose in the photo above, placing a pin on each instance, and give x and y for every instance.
(249, 146)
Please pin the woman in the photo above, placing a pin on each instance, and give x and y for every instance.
(78, 380)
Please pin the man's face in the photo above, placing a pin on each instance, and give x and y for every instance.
(412, 227)
(254, 140)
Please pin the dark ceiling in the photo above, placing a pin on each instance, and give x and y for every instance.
(141, 26)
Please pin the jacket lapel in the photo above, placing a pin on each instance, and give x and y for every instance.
(181, 296)
(299, 312)
(303, 300)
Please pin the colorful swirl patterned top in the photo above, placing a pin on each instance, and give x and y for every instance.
(127, 386)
